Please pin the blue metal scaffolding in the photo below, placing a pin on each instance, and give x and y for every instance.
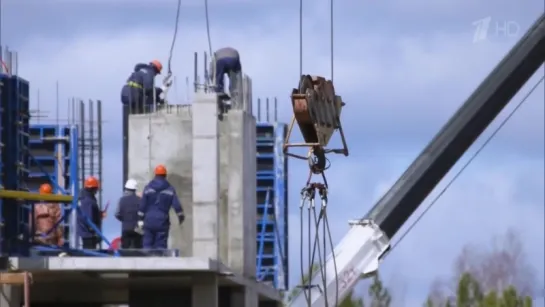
(272, 213)
(20, 168)
(15, 117)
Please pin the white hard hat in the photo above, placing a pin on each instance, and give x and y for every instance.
(131, 184)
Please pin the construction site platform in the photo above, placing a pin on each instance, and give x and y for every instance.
(137, 281)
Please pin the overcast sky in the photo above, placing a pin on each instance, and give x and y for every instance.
(403, 67)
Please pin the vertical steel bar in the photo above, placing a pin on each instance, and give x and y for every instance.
(82, 140)
(92, 141)
(258, 109)
(195, 73)
(267, 109)
(74, 182)
(275, 109)
(99, 147)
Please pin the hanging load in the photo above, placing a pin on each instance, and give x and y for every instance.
(317, 111)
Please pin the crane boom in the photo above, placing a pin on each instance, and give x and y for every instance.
(368, 239)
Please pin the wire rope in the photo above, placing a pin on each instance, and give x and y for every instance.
(301, 206)
(173, 43)
(308, 193)
(331, 38)
(300, 38)
(208, 27)
(471, 159)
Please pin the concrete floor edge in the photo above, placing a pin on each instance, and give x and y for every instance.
(204, 279)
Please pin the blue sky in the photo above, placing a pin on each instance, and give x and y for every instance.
(402, 66)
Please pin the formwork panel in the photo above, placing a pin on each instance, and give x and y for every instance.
(271, 209)
(15, 119)
(49, 162)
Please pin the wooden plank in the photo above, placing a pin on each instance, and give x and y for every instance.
(13, 278)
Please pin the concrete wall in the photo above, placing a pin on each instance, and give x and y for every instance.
(212, 165)
(165, 138)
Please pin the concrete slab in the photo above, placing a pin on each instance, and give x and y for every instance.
(119, 272)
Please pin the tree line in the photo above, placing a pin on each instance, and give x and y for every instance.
(499, 277)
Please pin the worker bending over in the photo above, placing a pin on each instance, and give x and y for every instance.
(140, 92)
(46, 217)
(127, 214)
(226, 61)
(157, 200)
(89, 210)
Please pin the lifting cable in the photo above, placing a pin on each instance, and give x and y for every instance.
(208, 28)
(316, 219)
(166, 81)
(471, 159)
(176, 25)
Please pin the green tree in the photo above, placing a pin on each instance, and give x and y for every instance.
(350, 301)
(378, 294)
(469, 293)
(495, 276)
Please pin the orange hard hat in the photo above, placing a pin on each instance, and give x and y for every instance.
(46, 189)
(160, 170)
(157, 64)
(90, 182)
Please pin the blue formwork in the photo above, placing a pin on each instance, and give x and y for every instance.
(272, 213)
(49, 161)
(15, 118)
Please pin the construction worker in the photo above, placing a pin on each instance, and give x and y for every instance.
(157, 200)
(226, 61)
(137, 96)
(89, 210)
(46, 217)
(127, 214)
(138, 93)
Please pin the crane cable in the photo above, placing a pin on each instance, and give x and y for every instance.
(176, 25)
(208, 27)
(212, 59)
(471, 159)
(308, 193)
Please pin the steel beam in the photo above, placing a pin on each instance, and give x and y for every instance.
(22, 195)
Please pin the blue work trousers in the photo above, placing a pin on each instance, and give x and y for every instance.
(155, 239)
(232, 67)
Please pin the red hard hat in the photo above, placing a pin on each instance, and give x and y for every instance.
(115, 244)
(160, 170)
(157, 64)
(46, 189)
(90, 182)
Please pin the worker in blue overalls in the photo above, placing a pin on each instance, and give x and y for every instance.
(138, 96)
(226, 61)
(140, 92)
(90, 210)
(157, 200)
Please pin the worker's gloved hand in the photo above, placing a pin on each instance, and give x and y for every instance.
(181, 218)
(167, 81)
(139, 227)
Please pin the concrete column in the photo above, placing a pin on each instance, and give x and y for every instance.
(241, 193)
(205, 291)
(205, 176)
(11, 296)
(224, 188)
(244, 298)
